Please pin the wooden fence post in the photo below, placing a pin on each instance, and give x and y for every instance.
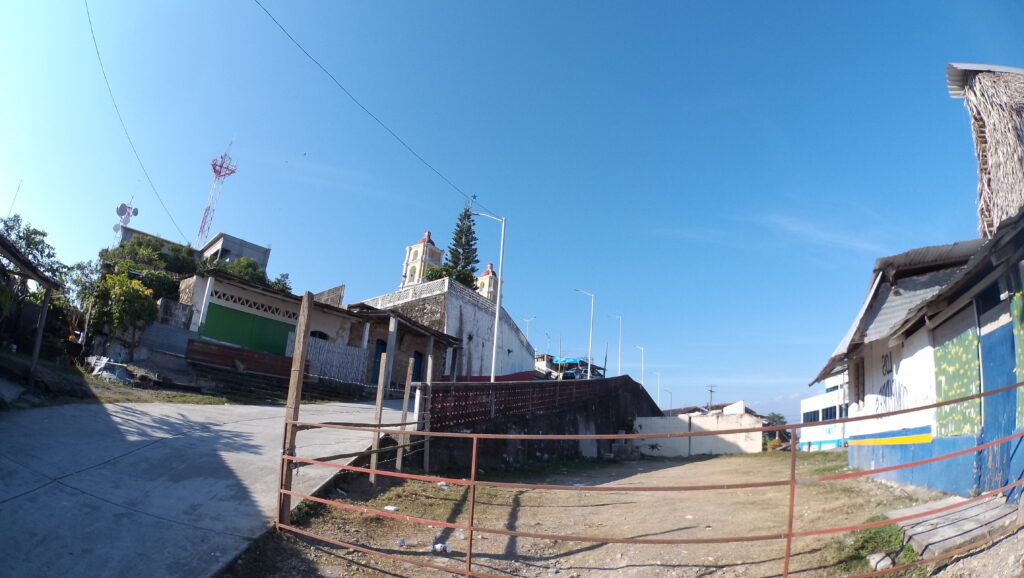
(377, 410)
(291, 415)
(404, 439)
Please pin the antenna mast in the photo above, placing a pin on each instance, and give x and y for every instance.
(223, 167)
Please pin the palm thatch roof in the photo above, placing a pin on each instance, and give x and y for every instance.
(994, 96)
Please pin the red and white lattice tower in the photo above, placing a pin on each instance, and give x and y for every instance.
(223, 167)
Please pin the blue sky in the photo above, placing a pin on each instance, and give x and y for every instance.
(722, 175)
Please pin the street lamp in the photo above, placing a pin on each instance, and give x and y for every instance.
(619, 317)
(670, 402)
(501, 281)
(590, 339)
(641, 348)
(528, 320)
(658, 377)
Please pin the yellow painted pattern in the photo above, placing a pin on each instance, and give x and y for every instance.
(958, 374)
(893, 441)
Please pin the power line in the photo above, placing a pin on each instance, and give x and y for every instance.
(471, 198)
(124, 127)
(15, 198)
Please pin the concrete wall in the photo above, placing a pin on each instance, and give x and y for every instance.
(470, 316)
(740, 443)
(930, 366)
(608, 414)
(447, 306)
(202, 292)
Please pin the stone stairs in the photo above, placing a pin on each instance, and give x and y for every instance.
(264, 388)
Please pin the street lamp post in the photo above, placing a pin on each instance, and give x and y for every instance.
(590, 339)
(641, 348)
(501, 281)
(619, 317)
(670, 402)
(657, 376)
(528, 320)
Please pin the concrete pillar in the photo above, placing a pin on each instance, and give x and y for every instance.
(366, 335)
(390, 349)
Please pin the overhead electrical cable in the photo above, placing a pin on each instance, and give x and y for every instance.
(124, 127)
(471, 198)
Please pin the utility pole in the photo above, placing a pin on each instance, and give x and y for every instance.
(528, 320)
(658, 376)
(711, 396)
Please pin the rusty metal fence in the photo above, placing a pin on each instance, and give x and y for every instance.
(471, 528)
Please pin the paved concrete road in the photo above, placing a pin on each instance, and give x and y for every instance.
(150, 489)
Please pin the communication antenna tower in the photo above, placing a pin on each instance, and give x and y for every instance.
(223, 167)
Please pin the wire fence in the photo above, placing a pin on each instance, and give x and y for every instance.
(471, 527)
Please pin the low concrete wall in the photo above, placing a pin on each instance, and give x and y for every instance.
(683, 447)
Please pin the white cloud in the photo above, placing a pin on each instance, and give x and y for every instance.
(819, 235)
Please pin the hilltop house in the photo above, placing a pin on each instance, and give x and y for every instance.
(825, 408)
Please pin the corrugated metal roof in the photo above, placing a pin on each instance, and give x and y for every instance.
(956, 75)
(935, 255)
(893, 303)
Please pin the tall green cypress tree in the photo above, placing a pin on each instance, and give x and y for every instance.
(462, 249)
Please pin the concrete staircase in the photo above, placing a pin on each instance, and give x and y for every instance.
(263, 388)
(953, 529)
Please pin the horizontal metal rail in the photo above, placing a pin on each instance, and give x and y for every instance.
(793, 481)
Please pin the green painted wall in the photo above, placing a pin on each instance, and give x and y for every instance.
(957, 374)
(1017, 313)
(245, 329)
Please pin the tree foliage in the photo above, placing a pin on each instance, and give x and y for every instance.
(775, 418)
(462, 249)
(460, 275)
(246, 268)
(281, 283)
(32, 243)
(125, 303)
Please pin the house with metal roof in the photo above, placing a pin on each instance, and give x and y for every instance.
(945, 322)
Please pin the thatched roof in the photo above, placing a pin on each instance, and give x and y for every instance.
(994, 96)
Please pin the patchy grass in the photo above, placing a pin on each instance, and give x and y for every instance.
(71, 384)
(587, 513)
(851, 554)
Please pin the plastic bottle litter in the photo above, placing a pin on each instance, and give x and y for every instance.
(442, 485)
(442, 548)
(407, 542)
(391, 508)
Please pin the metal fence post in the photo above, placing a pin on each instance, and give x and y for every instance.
(793, 449)
(472, 508)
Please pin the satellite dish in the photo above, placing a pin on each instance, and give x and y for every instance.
(117, 227)
(122, 210)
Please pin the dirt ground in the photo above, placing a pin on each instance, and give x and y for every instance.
(616, 514)
(1004, 559)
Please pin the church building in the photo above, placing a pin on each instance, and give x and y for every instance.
(467, 313)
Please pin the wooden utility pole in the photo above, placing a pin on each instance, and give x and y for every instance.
(377, 412)
(291, 415)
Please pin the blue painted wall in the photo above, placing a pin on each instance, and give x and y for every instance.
(957, 475)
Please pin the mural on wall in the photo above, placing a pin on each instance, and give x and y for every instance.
(957, 371)
(1017, 313)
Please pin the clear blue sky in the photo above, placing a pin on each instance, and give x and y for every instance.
(722, 175)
